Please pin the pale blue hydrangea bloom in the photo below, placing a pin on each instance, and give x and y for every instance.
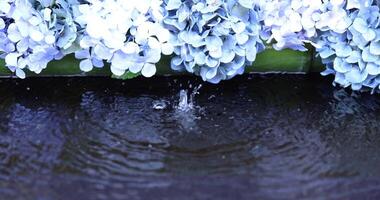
(127, 34)
(357, 4)
(5, 44)
(292, 23)
(215, 39)
(34, 33)
(354, 56)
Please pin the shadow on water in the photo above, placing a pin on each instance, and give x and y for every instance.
(268, 137)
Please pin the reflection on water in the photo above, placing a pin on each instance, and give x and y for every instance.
(267, 137)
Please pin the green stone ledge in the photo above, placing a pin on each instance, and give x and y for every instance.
(269, 61)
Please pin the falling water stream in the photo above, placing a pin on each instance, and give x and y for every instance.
(266, 137)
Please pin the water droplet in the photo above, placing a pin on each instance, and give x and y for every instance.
(159, 104)
(184, 104)
(186, 101)
(211, 97)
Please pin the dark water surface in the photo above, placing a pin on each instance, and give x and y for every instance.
(266, 137)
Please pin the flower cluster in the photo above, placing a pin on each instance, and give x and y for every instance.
(216, 39)
(32, 33)
(292, 23)
(354, 56)
(5, 44)
(127, 34)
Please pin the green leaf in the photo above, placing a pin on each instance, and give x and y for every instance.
(126, 75)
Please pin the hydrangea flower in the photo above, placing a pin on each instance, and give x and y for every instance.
(34, 31)
(215, 39)
(354, 56)
(292, 23)
(127, 34)
(5, 44)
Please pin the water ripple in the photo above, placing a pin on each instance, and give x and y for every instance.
(264, 138)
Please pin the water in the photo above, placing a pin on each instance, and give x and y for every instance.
(160, 104)
(266, 137)
(186, 99)
(184, 104)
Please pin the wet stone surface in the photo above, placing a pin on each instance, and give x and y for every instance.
(267, 137)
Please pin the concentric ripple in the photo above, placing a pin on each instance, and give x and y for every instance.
(269, 137)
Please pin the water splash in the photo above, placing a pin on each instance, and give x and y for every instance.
(186, 100)
(187, 113)
(160, 104)
(184, 104)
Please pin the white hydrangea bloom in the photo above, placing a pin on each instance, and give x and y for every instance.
(333, 17)
(31, 43)
(291, 23)
(357, 4)
(127, 34)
